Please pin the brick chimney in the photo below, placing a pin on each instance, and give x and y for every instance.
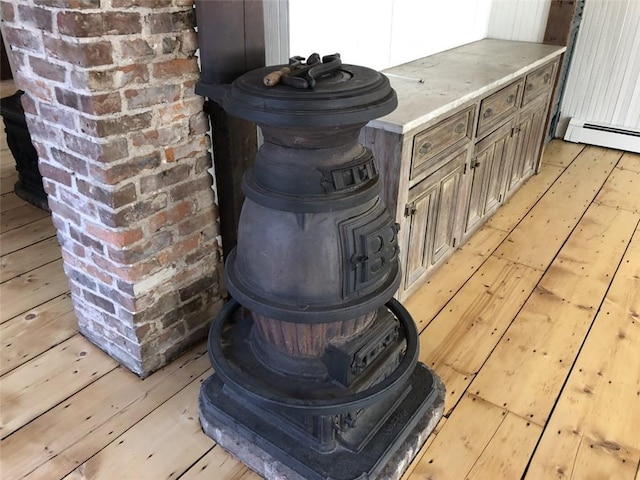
(123, 150)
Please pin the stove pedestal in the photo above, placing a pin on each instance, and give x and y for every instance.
(271, 453)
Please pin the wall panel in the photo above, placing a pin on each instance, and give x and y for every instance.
(384, 33)
(603, 86)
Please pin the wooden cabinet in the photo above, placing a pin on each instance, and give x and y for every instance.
(431, 214)
(526, 144)
(447, 167)
(487, 172)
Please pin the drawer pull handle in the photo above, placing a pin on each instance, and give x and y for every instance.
(425, 148)
(459, 128)
(475, 164)
(487, 113)
(529, 86)
(511, 98)
(547, 77)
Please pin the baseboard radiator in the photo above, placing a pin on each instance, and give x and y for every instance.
(580, 131)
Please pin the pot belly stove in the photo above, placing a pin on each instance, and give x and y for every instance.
(316, 365)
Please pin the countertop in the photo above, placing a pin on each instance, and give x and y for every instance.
(433, 85)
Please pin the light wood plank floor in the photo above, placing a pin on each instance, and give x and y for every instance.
(533, 325)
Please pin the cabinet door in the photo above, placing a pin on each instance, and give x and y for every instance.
(432, 208)
(527, 139)
(491, 158)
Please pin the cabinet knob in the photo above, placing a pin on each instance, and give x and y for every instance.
(547, 77)
(510, 99)
(487, 113)
(475, 164)
(425, 148)
(529, 86)
(459, 128)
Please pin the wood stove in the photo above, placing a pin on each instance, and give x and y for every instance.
(316, 371)
(29, 185)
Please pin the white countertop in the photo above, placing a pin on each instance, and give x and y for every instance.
(431, 86)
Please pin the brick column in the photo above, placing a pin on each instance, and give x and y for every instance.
(123, 150)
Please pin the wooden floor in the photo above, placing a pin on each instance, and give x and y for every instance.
(533, 325)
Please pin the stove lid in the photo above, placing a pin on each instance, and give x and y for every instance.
(346, 95)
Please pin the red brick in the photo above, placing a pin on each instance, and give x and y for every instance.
(115, 126)
(86, 240)
(132, 214)
(56, 174)
(21, 38)
(143, 250)
(171, 21)
(125, 301)
(127, 273)
(63, 211)
(180, 110)
(50, 189)
(145, 331)
(122, 171)
(170, 44)
(79, 277)
(194, 148)
(36, 17)
(69, 161)
(58, 116)
(47, 69)
(141, 3)
(165, 303)
(198, 222)
(42, 149)
(189, 43)
(7, 12)
(167, 177)
(117, 238)
(175, 68)
(75, 4)
(79, 24)
(199, 124)
(101, 104)
(99, 301)
(19, 59)
(169, 216)
(35, 87)
(97, 80)
(29, 104)
(201, 285)
(104, 152)
(136, 49)
(187, 189)
(206, 254)
(157, 137)
(79, 203)
(202, 164)
(68, 98)
(91, 54)
(178, 250)
(148, 97)
(115, 198)
(43, 131)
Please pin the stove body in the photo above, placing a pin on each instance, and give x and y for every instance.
(316, 365)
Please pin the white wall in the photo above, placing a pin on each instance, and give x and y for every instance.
(384, 33)
(603, 86)
(523, 20)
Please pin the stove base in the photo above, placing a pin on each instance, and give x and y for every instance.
(270, 453)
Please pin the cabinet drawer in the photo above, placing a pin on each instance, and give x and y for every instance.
(538, 82)
(498, 107)
(428, 145)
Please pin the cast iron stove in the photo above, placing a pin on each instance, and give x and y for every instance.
(316, 365)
